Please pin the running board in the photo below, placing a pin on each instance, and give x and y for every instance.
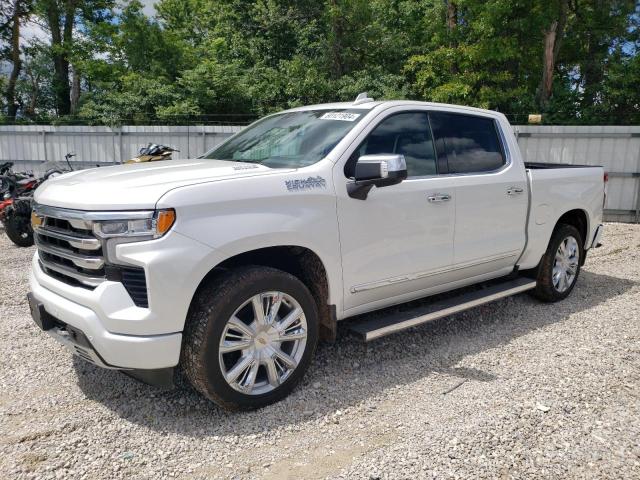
(397, 321)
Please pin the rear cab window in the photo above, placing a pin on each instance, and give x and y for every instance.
(470, 143)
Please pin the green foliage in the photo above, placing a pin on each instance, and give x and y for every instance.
(199, 58)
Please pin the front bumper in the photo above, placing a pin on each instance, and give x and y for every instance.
(121, 334)
(104, 348)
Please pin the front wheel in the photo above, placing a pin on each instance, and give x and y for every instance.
(250, 336)
(560, 265)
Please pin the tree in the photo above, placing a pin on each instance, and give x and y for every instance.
(553, 37)
(107, 62)
(62, 19)
(13, 13)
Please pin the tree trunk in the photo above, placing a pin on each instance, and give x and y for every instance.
(60, 46)
(75, 90)
(552, 43)
(12, 104)
(452, 15)
(546, 86)
(593, 69)
(337, 30)
(452, 24)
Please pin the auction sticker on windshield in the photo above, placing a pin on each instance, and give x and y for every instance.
(344, 116)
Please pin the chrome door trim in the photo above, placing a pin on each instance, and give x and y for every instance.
(416, 276)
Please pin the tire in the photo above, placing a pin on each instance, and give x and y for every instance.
(554, 287)
(237, 294)
(18, 229)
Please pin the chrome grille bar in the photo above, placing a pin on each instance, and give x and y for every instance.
(82, 261)
(87, 280)
(81, 242)
(88, 217)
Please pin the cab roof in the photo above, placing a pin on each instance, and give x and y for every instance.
(371, 104)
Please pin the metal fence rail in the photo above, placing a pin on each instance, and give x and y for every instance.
(617, 149)
(29, 146)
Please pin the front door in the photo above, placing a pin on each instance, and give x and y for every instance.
(399, 241)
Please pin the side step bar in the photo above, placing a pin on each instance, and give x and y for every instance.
(397, 321)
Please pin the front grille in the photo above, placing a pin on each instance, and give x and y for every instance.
(69, 251)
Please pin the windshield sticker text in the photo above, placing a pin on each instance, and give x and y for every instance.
(308, 184)
(344, 116)
(244, 167)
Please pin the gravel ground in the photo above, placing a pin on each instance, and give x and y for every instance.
(513, 389)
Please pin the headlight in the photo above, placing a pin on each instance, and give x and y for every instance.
(145, 226)
(138, 227)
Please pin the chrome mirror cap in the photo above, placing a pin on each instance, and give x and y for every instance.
(389, 163)
(380, 170)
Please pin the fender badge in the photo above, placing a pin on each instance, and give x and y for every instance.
(308, 184)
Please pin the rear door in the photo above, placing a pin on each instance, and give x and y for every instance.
(491, 193)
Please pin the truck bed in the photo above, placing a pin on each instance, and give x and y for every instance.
(554, 190)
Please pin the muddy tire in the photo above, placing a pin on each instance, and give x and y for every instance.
(249, 338)
(559, 268)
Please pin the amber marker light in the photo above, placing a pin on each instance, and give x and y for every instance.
(36, 220)
(164, 221)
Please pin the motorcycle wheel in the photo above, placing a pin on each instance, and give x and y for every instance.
(18, 229)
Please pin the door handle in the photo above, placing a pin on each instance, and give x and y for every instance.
(439, 197)
(514, 190)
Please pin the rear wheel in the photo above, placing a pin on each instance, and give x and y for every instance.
(560, 266)
(250, 337)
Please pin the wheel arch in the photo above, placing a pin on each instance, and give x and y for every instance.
(578, 218)
(301, 262)
(542, 233)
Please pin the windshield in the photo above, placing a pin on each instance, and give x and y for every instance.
(289, 140)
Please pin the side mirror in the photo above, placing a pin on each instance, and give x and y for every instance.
(376, 170)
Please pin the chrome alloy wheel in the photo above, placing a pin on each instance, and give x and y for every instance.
(565, 264)
(262, 343)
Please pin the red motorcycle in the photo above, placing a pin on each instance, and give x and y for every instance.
(16, 194)
(15, 206)
(5, 169)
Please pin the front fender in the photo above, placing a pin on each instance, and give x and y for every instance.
(237, 216)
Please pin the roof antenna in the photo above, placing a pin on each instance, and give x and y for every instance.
(362, 98)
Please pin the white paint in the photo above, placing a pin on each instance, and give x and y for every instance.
(392, 247)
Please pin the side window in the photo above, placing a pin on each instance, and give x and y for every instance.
(471, 143)
(407, 134)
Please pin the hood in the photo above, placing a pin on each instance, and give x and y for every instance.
(137, 186)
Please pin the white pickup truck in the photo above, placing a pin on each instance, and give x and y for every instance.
(230, 267)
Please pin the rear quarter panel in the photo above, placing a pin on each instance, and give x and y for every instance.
(554, 192)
